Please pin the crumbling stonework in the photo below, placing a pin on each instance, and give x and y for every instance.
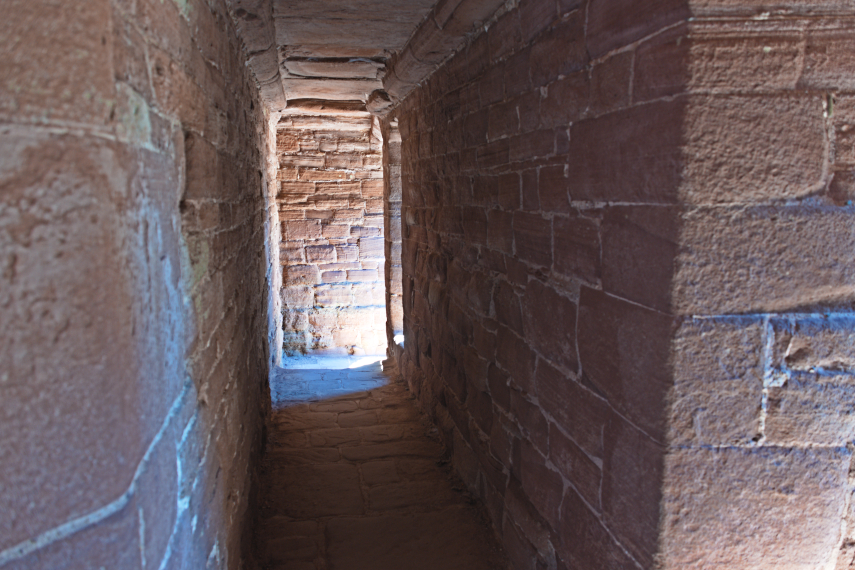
(331, 204)
(134, 216)
(628, 277)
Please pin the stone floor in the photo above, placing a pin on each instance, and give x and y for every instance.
(353, 478)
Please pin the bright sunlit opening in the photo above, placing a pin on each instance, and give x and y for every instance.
(366, 361)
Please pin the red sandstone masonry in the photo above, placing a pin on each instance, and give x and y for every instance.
(578, 236)
(332, 251)
(131, 166)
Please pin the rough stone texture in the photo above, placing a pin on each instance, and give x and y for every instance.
(330, 200)
(134, 222)
(324, 50)
(625, 274)
(354, 478)
(627, 284)
(392, 229)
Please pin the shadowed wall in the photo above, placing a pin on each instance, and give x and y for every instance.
(628, 274)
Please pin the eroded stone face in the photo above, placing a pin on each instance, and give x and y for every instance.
(132, 216)
(324, 50)
(627, 271)
(332, 252)
(352, 480)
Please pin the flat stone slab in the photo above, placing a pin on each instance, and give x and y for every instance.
(448, 539)
(351, 479)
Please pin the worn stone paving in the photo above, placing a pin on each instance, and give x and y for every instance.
(352, 479)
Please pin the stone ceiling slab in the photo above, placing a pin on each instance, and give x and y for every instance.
(408, 12)
(330, 89)
(349, 69)
(371, 51)
(336, 50)
(381, 34)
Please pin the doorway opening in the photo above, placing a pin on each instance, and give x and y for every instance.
(330, 204)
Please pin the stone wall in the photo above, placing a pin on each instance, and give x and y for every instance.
(627, 280)
(331, 205)
(133, 218)
(762, 288)
(394, 277)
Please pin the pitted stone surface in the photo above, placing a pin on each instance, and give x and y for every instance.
(352, 480)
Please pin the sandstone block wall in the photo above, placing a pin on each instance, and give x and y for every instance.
(133, 217)
(627, 280)
(331, 204)
(761, 290)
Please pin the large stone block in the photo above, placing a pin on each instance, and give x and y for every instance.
(333, 296)
(761, 508)
(73, 83)
(614, 24)
(639, 248)
(764, 259)
(515, 357)
(532, 238)
(112, 541)
(828, 59)
(812, 409)
(575, 409)
(718, 381)
(500, 234)
(68, 359)
(752, 149)
(573, 463)
(297, 297)
(634, 155)
(566, 100)
(541, 484)
(610, 83)
(320, 254)
(577, 246)
(625, 353)
(816, 344)
(532, 424)
(504, 36)
(300, 275)
(633, 470)
(550, 324)
(585, 541)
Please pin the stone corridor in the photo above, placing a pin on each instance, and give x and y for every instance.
(354, 478)
(605, 248)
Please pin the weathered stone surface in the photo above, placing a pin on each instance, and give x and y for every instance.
(135, 219)
(388, 504)
(318, 490)
(421, 542)
(632, 488)
(717, 401)
(624, 350)
(790, 500)
(725, 260)
(810, 383)
(323, 260)
(752, 149)
(334, 69)
(632, 155)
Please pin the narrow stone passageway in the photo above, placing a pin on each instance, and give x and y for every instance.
(353, 477)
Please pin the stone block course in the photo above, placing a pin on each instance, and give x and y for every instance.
(127, 123)
(580, 159)
(766, 479)
(335, 241)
